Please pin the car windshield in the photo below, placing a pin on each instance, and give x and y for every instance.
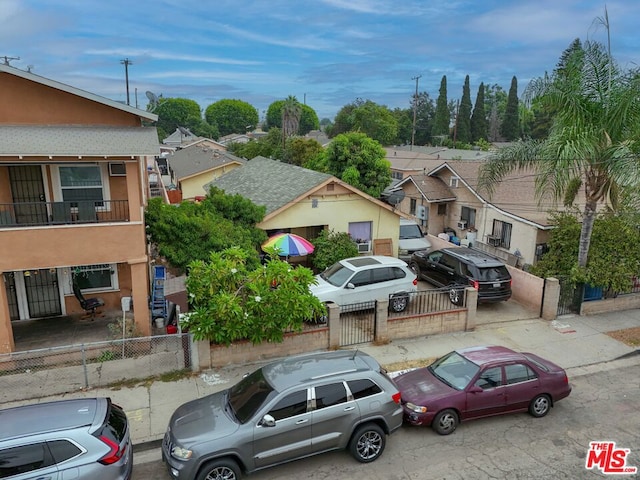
(249, 394)
(337, 274)
(454, 370)
(410, 231)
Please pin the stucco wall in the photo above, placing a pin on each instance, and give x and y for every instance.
(523, 235)
(337, 211)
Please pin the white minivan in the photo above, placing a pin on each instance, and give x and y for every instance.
(411, 239)
(359, 281)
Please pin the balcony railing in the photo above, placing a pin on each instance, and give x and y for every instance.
(32, 214)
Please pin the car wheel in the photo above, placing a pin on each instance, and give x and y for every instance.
(415, 268)
(540, 406)
(398, 303)
(223, 469)
(456, 295)
(367, 443)
(445, 422)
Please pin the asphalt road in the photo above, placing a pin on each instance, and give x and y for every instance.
(604, 406)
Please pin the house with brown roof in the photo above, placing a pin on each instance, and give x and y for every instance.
(305, 202)
(73, 187)
(444, 196)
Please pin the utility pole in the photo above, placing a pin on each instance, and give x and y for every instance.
(415, 110)
(126, 62)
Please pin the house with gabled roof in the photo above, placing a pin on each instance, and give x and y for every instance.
(192, 167)
(73, 187)
(305, 202)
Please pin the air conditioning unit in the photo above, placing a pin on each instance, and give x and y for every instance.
(494, 241)
(462, 225)
(364, 247)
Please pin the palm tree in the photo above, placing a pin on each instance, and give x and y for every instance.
(291, 113)
(594, 141)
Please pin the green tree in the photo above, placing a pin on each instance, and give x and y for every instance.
(463, 119)
(495, 103)
(331, 246)
(291, 112)
(509, 128)
(442, 117)
(232, 116)
(231, 300)
(269, 146)
(479, 126)
(594, 140)
(404, 118)
(377, 121)
(299, 150)
(360, 161)
(191, 231)
(308, 118)
(177, 112)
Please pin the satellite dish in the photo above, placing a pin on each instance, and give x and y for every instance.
(395, 197)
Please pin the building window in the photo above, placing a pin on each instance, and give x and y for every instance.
(453, 182)
(412, 206)
(360, 232)
(442, 209)
(96, 277)
(468, 215)
(78, 183)
(502, 232)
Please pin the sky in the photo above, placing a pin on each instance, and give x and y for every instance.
(326, 53)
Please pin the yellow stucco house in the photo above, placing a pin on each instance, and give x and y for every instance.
(305, 202)
(73, 189)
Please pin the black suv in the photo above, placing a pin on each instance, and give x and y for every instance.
(463, 266)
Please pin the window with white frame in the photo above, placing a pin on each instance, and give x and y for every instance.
(360, 231)
(468, 215)
(412, 206)
(453, 182)
(97, 277)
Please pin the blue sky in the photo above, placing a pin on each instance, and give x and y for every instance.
(324, 52)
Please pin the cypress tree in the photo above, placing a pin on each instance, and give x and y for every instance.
(479, 124)
(463, 119)
(442, 117)
(509, 128)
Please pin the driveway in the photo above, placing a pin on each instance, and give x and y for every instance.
(495, 312)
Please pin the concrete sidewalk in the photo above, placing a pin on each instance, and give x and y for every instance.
(579, 344)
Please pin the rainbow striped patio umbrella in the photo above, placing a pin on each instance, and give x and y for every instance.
(289, 245)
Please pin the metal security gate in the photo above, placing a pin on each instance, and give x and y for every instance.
(357, 323)
(570, 297)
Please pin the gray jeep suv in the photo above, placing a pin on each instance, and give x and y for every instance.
(286, 410)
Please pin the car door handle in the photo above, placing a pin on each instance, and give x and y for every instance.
(300, 422)
(348, 409)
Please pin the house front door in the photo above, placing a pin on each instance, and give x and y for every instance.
(27, 189)
(43, 294)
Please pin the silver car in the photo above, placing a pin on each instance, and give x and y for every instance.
(290, 409)
(80, 438)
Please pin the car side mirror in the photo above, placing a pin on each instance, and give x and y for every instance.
(268, 421)
(350, 286)
(475, 389)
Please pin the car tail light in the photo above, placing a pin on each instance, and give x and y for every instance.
(114, 454)
(415, 281)
(566, 379)
(396, 398)
(475, 284)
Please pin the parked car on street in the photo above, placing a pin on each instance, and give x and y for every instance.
(462, 267)
(363, 280)
(78, 438)
(479, 382)
(411, 239)
(290, 409)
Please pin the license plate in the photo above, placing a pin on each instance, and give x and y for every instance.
(496, 285)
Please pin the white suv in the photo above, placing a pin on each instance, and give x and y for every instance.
(362, 280)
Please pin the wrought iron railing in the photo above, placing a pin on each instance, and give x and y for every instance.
(30, 214)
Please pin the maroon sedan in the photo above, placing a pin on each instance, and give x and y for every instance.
(479, 382)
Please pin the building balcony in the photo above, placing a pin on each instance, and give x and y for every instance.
(37, 214)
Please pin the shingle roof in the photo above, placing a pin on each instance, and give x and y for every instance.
(269, 182)
(67, 140)
(197, 158)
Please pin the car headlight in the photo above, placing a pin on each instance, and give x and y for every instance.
(416, 408)
(403, 251)
(181, 453)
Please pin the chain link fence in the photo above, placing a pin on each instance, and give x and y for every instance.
(58, 370)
